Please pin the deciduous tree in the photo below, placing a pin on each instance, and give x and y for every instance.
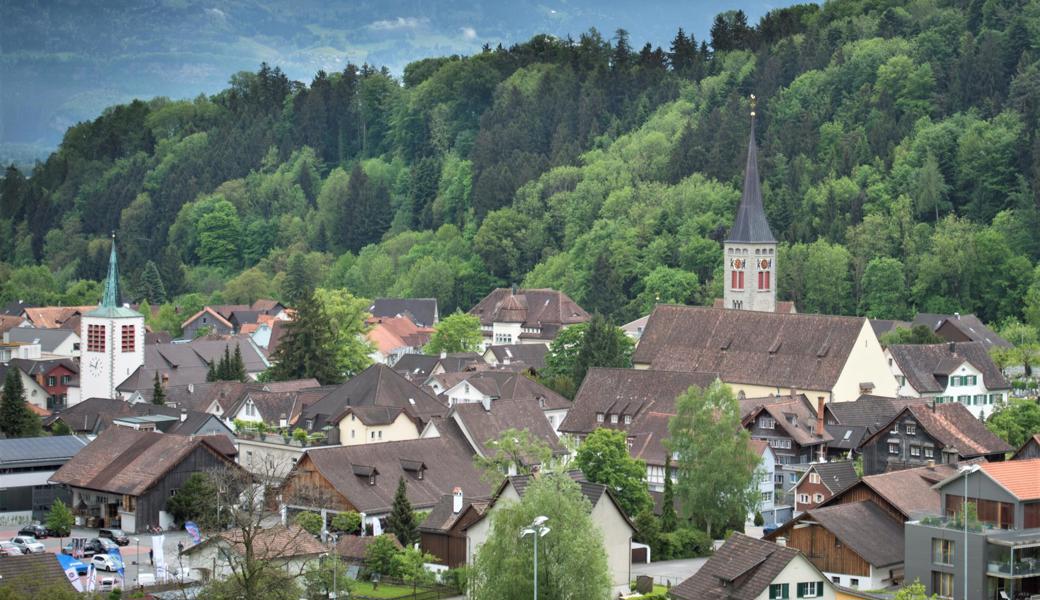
(603, 457)
(459, 332)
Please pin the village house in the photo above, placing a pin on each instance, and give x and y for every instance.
(849, 423)
(394, 337)
(745, 567)
(1030, 449)
(363, 477)
(290, 549)
(960, 372)
(517, 357)
(820, 482)
(420, 311)
(490, 388)
(526, 316)
(124, 477)
(26, 465)
(181, 364)
(764, 353)
(55, 317)
(616, 528)
(35, 394)
(443, 532)
(992, 555)
(769, 503)
(206, 322)
(923, 434)
(94, 415)
(54, 343)
(857, 545)
(59, 378)
(961, 328)
(353, 549)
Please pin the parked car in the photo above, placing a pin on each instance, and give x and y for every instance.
(27, 544)
(9, 549)
(100, 545)
(35, 530)
(116, 535)
(106, 562)
(107, 584)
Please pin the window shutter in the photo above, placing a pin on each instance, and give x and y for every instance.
(801, 590)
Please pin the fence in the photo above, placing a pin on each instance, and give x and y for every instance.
(422, 593)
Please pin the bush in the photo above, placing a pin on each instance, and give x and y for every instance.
(348, 522)
(310, 522)
(456, 578)
(299, 435)
(759, 520)
(684, 543)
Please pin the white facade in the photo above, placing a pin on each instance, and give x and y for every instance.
(750, 277)
(879, 578)
(965, 385)
(800, 570)
(767, 486)
(114, 352)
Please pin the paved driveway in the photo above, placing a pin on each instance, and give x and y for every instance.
(669, 571)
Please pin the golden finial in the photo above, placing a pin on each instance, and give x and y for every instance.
(754, 101)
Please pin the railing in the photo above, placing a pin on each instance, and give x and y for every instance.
(1022, 568)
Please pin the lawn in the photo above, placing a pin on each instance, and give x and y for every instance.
(659, 590)
(385, 590)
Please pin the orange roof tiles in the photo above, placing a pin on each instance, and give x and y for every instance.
(1020, 477)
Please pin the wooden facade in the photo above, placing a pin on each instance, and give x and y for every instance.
(148, 504)
(306, 487)
(903, 445)
(811, 488)
(860, 492)
(826, 551)
(449, 546)
(786, 449)
(1031, 449)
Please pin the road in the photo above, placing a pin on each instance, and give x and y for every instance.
(129, 552)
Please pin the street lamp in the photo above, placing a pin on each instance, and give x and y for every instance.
(537, 529)
(965, 472)
(137, 541)
(335, 566)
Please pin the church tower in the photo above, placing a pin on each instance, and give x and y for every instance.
(112, 338)
(750, 248)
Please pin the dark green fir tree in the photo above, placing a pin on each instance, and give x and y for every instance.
(401, 521)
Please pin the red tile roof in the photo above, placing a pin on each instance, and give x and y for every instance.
(1020, 477)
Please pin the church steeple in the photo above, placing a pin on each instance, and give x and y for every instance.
(111, 298)
(751, 225)
(750, 248)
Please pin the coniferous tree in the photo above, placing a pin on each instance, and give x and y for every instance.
(16, 420)
(401, 521)
(298, 283)
(152, 287)
(158, 391)
(309, 341)
(211, 374)
(238, 366)
(669, 520)
(602, 345)
(224, 368)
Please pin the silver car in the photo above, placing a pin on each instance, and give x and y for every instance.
(9, 549)
(27, 544)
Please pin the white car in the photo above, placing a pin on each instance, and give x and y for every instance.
(27, 544)
(106, 562)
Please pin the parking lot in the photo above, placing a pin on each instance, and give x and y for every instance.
(131, 552)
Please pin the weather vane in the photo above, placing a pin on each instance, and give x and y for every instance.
(754, 101)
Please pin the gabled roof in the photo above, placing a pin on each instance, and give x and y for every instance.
(1032, 441)
(448, 460)
(908, 490)
(835, 476)
(647, 396)
(271, 543)
(482, 426)
(793, 414)
(869, 411)
(953, 426)
(51, 317)
(927, 366)
(1020, 477)
(530, 355)
(48, 339)
(389, 334)
(741, 569)
(505, 385)
(33, 574)
(750, 224)
(35, 366)
(531, 307)
(863, 527)
(415, 367)
(968, 325)
(883, 326)
(442, 516)
(355, 547)
(127, 461)
(188, 363)
(782, 306)
(378, 386)
(782, 350)
(211, 312)
(421, 311)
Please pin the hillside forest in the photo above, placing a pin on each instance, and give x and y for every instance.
(899, 152)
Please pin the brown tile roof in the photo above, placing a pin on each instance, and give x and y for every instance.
(953, 426)
(1020, 477)
(482, 426)
(507, 385)
(211, 312)
(354, 548)
(376, 386)
(836, 476)
(278, 542)
(760, 348)
(794, 414)
(871, 412)
(647, 396)
(741, 569)
(448, 461)
(908, 490)
(530, 355)
(292, 385)
(9, 322)
(1033, 441)
(927, 366)
(442, 517)
(33, 574)
(38, 410)
(393, 333)
(51, 317)
(531, 307)
(127, 461)
(864, 527)
(969, 325)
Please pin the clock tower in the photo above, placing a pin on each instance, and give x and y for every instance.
(112, 340)
(750, 248)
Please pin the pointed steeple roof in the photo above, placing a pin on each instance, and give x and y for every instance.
(111, 302)
(751, 225)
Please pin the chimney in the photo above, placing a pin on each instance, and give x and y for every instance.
(513, 289)
(819, 415)
(931, 464)
(184, 415)
(781, 541)
(956, 315)
(794, 392)
(165, 379)
(952, 346)
(456, 500)
(191, 388)
(444, 355)
(283, 421)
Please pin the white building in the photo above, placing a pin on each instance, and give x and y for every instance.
(949, 372)
(112, 346)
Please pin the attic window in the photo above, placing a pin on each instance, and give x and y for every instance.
(775, 347)
(628, 419)
(614, 418)
(823, 350)
(599, 417)
(726, 344)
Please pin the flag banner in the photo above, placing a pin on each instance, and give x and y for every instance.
(193, 530)
(91, 578)
(158, 557)
(115, 553)
(74, 578)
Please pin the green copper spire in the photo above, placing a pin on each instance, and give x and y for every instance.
(111, 306)
(111, 297)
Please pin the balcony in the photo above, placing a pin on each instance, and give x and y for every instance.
(1013, 554)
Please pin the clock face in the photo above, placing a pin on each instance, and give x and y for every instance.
(95, 366)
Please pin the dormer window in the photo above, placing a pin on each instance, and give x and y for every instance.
(628, 419)
(599, 417)
(614, 418)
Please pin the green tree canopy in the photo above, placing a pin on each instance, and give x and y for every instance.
(514, 450)
(310, 339)
(459, 332)
(401, 521)
(60, 518)
(16, 420)
(603, 457)
(347, 315)
(1016, 422)
(196, 500)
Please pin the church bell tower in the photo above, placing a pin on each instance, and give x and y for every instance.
(750, 248)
